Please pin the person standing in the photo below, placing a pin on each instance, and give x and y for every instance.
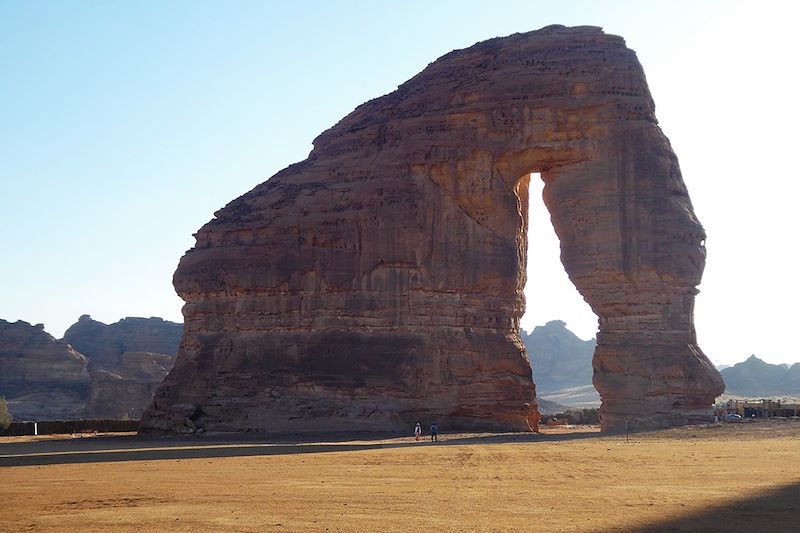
(434, 432)
(417, 431)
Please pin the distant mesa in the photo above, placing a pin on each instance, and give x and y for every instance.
(562, 365)
(380, 281)
(95, 371)
(41, 377)
(755, 377)
(559, 358)
(104, 345)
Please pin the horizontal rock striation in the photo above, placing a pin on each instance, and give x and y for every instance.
(379, 282)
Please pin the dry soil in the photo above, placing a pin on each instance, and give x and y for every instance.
(736, 477)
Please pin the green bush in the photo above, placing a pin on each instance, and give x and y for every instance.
(5, 416)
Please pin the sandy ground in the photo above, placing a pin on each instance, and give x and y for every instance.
(736, 477)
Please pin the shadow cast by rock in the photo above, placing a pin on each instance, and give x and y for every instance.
(135, 448)
(774, 510)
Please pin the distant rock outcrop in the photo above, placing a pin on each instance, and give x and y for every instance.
(755, 377)
(105, 344)
(95, 371)
(562, 365)
(127, 360)
(793, 377)
(127, 391)
(559, 358)
(41, 377)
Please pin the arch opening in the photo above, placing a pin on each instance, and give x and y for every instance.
(549, 293)
(561, 349)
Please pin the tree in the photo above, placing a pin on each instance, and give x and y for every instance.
(5, 416)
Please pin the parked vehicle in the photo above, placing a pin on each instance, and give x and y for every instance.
(732, 417)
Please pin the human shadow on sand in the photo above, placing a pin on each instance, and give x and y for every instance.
(773, 510)
(103, 449)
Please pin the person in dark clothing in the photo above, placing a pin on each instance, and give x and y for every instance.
(434, 432)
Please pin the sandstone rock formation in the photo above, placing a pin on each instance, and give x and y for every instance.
(128, 390)
(48, 379)
(379, 282)
(562, 366)
(41, 377)
(127, 361)
(559, 358)
(755, 377)
(106, 344)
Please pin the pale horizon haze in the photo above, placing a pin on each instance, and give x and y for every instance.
(125, 125)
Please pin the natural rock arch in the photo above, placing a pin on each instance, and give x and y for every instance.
(379, 282)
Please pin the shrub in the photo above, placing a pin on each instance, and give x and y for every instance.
(5, 416)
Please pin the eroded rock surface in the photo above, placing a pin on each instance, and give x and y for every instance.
(48, 379)
(128, 390)
(757, 378)
(559, 358)
(41, 377)
(106, 344)
(379, 282)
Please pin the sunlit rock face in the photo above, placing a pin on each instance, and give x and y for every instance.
(379, 282)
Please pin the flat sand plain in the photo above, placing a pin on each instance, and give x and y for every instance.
(733, 477)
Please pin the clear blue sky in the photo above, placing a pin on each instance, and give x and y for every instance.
(125, 125)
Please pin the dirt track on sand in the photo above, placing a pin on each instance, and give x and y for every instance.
(737, 477)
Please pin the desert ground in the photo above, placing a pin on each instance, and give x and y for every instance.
(733, 477)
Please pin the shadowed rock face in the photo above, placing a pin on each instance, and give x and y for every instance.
(105, 345)
(559, 358)
(127, 361)
(128, 390)
(40, 376)
(379, 282)
(44, 378)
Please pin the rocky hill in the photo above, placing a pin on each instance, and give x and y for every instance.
(41, 377)
(127, 391)
(559, 358)
(104, 345)
(95, 371)
(755, 377)
(562, 365)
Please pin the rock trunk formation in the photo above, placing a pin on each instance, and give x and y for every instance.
(379, 282)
